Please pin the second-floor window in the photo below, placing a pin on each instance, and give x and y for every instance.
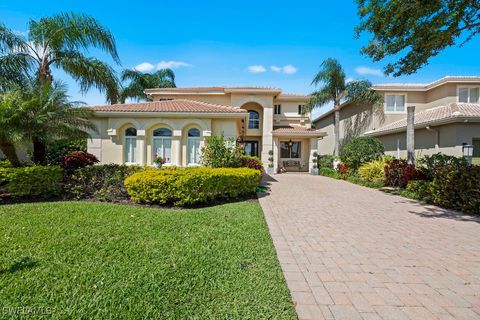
(253, 119)
(277, 109)
(301, 108)
(469, 95)
(395, 102)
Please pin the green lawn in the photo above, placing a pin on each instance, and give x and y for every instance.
(90, 260)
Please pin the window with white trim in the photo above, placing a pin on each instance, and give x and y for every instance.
(130, 145)
(193, 145)
(301, 108)
(162, 144)
(253, 119)
(395, 103)
(277, 109)
(468, 94)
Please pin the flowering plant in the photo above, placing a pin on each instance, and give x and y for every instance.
(159, 160)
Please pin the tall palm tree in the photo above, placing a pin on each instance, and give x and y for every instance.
(334, 88)
(139, 81)
(60, 42)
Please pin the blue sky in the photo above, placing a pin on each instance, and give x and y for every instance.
(265, 43)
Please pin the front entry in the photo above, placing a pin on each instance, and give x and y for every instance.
(291, 156)
(251, 148)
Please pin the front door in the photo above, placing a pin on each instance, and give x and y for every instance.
(251, 148)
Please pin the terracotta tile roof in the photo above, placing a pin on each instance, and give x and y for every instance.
(177, 105)
(296, 130)
(426, 86)
(211, 88)
(448, 113)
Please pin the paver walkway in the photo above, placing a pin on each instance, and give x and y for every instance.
(349, 252)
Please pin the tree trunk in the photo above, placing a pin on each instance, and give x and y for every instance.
(9, 151)
(411, 135)
(337, 130)
(39, 152)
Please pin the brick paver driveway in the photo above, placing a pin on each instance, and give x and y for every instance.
(350, 252)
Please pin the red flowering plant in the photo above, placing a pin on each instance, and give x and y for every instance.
(342, 168)
(399, 172)
(78, 159)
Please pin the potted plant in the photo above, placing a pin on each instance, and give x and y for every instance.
(314, 170)
(158, 161)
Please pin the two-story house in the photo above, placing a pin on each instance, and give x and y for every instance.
(266, 122)
(447, 116)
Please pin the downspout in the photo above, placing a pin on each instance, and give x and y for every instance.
(437, 136)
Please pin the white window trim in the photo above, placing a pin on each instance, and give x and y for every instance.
(125, 153)
(469, 87)
(155, 151)
(396, 94)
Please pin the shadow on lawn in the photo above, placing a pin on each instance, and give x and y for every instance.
(24, 263)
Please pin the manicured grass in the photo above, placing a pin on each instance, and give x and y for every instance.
(105, 261)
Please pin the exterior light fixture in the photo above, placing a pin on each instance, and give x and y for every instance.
(467, 150)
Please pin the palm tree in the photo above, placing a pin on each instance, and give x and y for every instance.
(334, 88)
(59, 42)
(139, 81)
(47, 115)
(10, 120)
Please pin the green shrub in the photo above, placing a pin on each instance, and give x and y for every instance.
(57, 150)
(329, 172)
(101, 182)
(5, 164)
(251, 162)
(457, 188)
(325, 161)
(360, 150)
(358, 180)
(5, 175)
(373, 171)
(190, 186)
(428, 165)
(35, 181)
(219, 152)
(418, 190)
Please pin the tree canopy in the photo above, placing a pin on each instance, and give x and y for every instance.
(415, 31)
(139, 81)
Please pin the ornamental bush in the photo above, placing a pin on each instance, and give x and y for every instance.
(398, 173)
(101, 182)
(78, 159)
(219, 152)
(430, 164)
(251, 162)
(325, 161)
(58, 149)
(418, 190)
(373, 171)
(359, 150)
(457, 188)
(35, 181)
(329, 172)
(191, 186)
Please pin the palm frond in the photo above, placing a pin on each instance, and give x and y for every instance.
(318, 99)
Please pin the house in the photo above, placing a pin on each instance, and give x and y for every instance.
(447, 116)
(265, 121)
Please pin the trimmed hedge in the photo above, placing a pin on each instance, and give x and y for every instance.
(457, 188)
(190, 186)
(359, 150)
(36, 181)
(101, 182)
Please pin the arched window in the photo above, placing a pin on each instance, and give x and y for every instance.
(193, 145)
(130, 144)
(253, 119)
(162, 144)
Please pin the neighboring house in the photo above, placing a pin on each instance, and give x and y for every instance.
(447, 116)
(174, 126)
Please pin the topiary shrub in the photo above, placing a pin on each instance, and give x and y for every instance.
(429, 165)
(251, 162)
(35, 181)
(418, 190)
(219, 152)
(325, 161)
(78, 159)
(457, 188)
(373, 171)
(360, 150)
(102, 182)
(191, 186)
(398, 173)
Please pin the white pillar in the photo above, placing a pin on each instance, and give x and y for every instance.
(177, 148)
(276, 154)
(141, 145)
(267, 138)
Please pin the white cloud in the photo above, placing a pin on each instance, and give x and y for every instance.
(172, 64)
(144, 67)
(349, 79)
(366, 71)
(256, 69)
(287, 69)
